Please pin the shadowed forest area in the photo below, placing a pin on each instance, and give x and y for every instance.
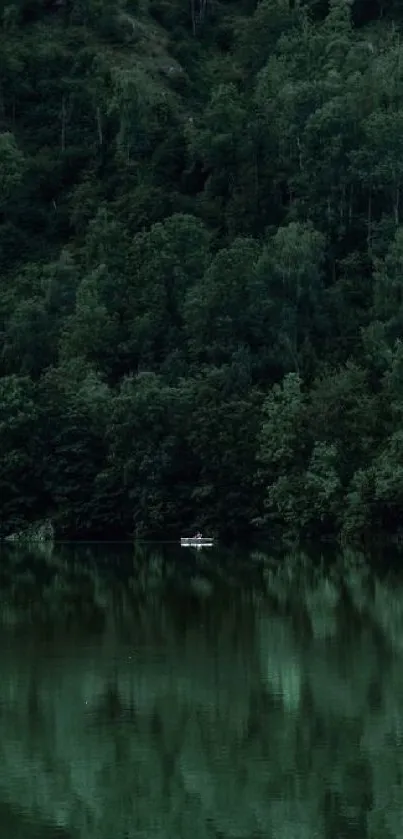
(134, 707)
(201, 256)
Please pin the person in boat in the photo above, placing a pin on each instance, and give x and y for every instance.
(198, 535)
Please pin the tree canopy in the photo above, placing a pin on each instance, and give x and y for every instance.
(201, 253)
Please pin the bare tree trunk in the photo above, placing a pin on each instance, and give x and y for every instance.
(2, 106)
(350, 205)
(99, 126)
(329, 210)
(292, 349)
(193, 13)
(198, 12)
(256, 179)
(342, 204)
(64, 120)
(299, 154)
(369, 219)
(202, 10)
(396, 208)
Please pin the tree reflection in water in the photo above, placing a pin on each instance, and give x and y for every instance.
(144, 695)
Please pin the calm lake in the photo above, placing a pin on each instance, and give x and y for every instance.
(163, 693)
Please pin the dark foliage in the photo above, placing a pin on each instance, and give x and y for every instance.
(201, 253)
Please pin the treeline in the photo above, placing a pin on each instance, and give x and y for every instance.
(201, 254)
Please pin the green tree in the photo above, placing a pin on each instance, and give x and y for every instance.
(290, 272)
(20, 486)
(74, 405)
(28, 341)
(145, 454)
(323, 489)
(285, 445)
(214, 143)
(344, 411)
(12, 166)
(169, 261)
(223, 310)
(91, 332)
(221, 422)
(141, 109)
(259, 35)
(387, 289)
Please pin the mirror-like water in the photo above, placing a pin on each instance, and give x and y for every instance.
(150, 694)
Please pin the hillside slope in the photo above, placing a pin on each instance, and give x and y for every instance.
(201, 255)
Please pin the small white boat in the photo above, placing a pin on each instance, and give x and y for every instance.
(196, 542)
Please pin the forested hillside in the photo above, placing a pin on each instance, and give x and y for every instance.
(201, 250)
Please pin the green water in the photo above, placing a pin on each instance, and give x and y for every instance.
(163, 693)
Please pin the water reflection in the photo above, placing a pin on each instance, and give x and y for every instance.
(143, 695)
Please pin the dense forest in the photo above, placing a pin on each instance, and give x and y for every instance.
(201, 253)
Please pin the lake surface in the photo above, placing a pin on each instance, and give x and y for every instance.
(152, 692)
